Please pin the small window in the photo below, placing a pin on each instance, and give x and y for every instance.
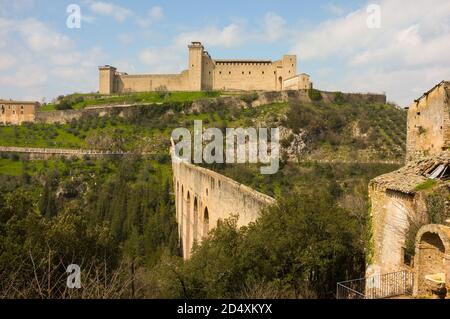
(274, 72)
(249, 72)
(262, 72)
(220, 72)
(242, 72)
(418, 113)
(21, 107)
(192, 65)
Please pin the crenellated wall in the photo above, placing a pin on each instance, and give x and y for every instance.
(206, 73)
(203, 197)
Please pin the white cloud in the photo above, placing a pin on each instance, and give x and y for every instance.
(169, 59)
(153, 15)
(412, 42)
(156, 13)
(125, 38)
(8, 7)
(7, 61)
(229, 36)
(39, 37)
(43, 62)
(274, 27)
(119, 13)
(334, 9)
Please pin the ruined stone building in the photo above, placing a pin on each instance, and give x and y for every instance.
(206, 73)
(18, 112)
(409, 207)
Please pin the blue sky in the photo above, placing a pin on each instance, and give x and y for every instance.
(40, 57)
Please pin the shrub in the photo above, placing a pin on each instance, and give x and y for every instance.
(64, 105)
(339, 98)
(314, 95)
(249, 98)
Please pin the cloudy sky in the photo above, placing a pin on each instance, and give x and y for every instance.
(40, 57)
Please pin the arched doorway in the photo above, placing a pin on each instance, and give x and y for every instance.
(280, 83)
(205, 222)
(432, 260)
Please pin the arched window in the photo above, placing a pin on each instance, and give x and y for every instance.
(205, 222)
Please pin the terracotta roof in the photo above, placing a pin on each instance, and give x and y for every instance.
(407, 178)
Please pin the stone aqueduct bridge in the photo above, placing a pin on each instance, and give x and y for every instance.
(203, 197)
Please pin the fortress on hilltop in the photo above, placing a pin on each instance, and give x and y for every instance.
(205, 73)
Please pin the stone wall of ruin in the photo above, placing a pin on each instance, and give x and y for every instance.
(429, 124)
(392, 215)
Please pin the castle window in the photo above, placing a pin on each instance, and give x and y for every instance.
(262, 72)
(249, 72)
(192, 65)
(14, 112)
(220, 72)
(229, 72)
(274, 72)
(242, 72)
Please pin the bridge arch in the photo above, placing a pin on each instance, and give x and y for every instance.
(188, 224)
(207, 197)
(195, 220)
(205, 222)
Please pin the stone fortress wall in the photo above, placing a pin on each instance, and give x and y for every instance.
(206, 73)
(203, 197)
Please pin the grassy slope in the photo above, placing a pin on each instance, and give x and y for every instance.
(381, 137)
(147, 97)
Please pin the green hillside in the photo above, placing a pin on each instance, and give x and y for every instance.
(118, 215)
(330, 132)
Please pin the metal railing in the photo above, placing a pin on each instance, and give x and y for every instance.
(377, 286)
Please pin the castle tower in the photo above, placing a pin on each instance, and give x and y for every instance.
(107, 75)
(195, 66)
(289, 63)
